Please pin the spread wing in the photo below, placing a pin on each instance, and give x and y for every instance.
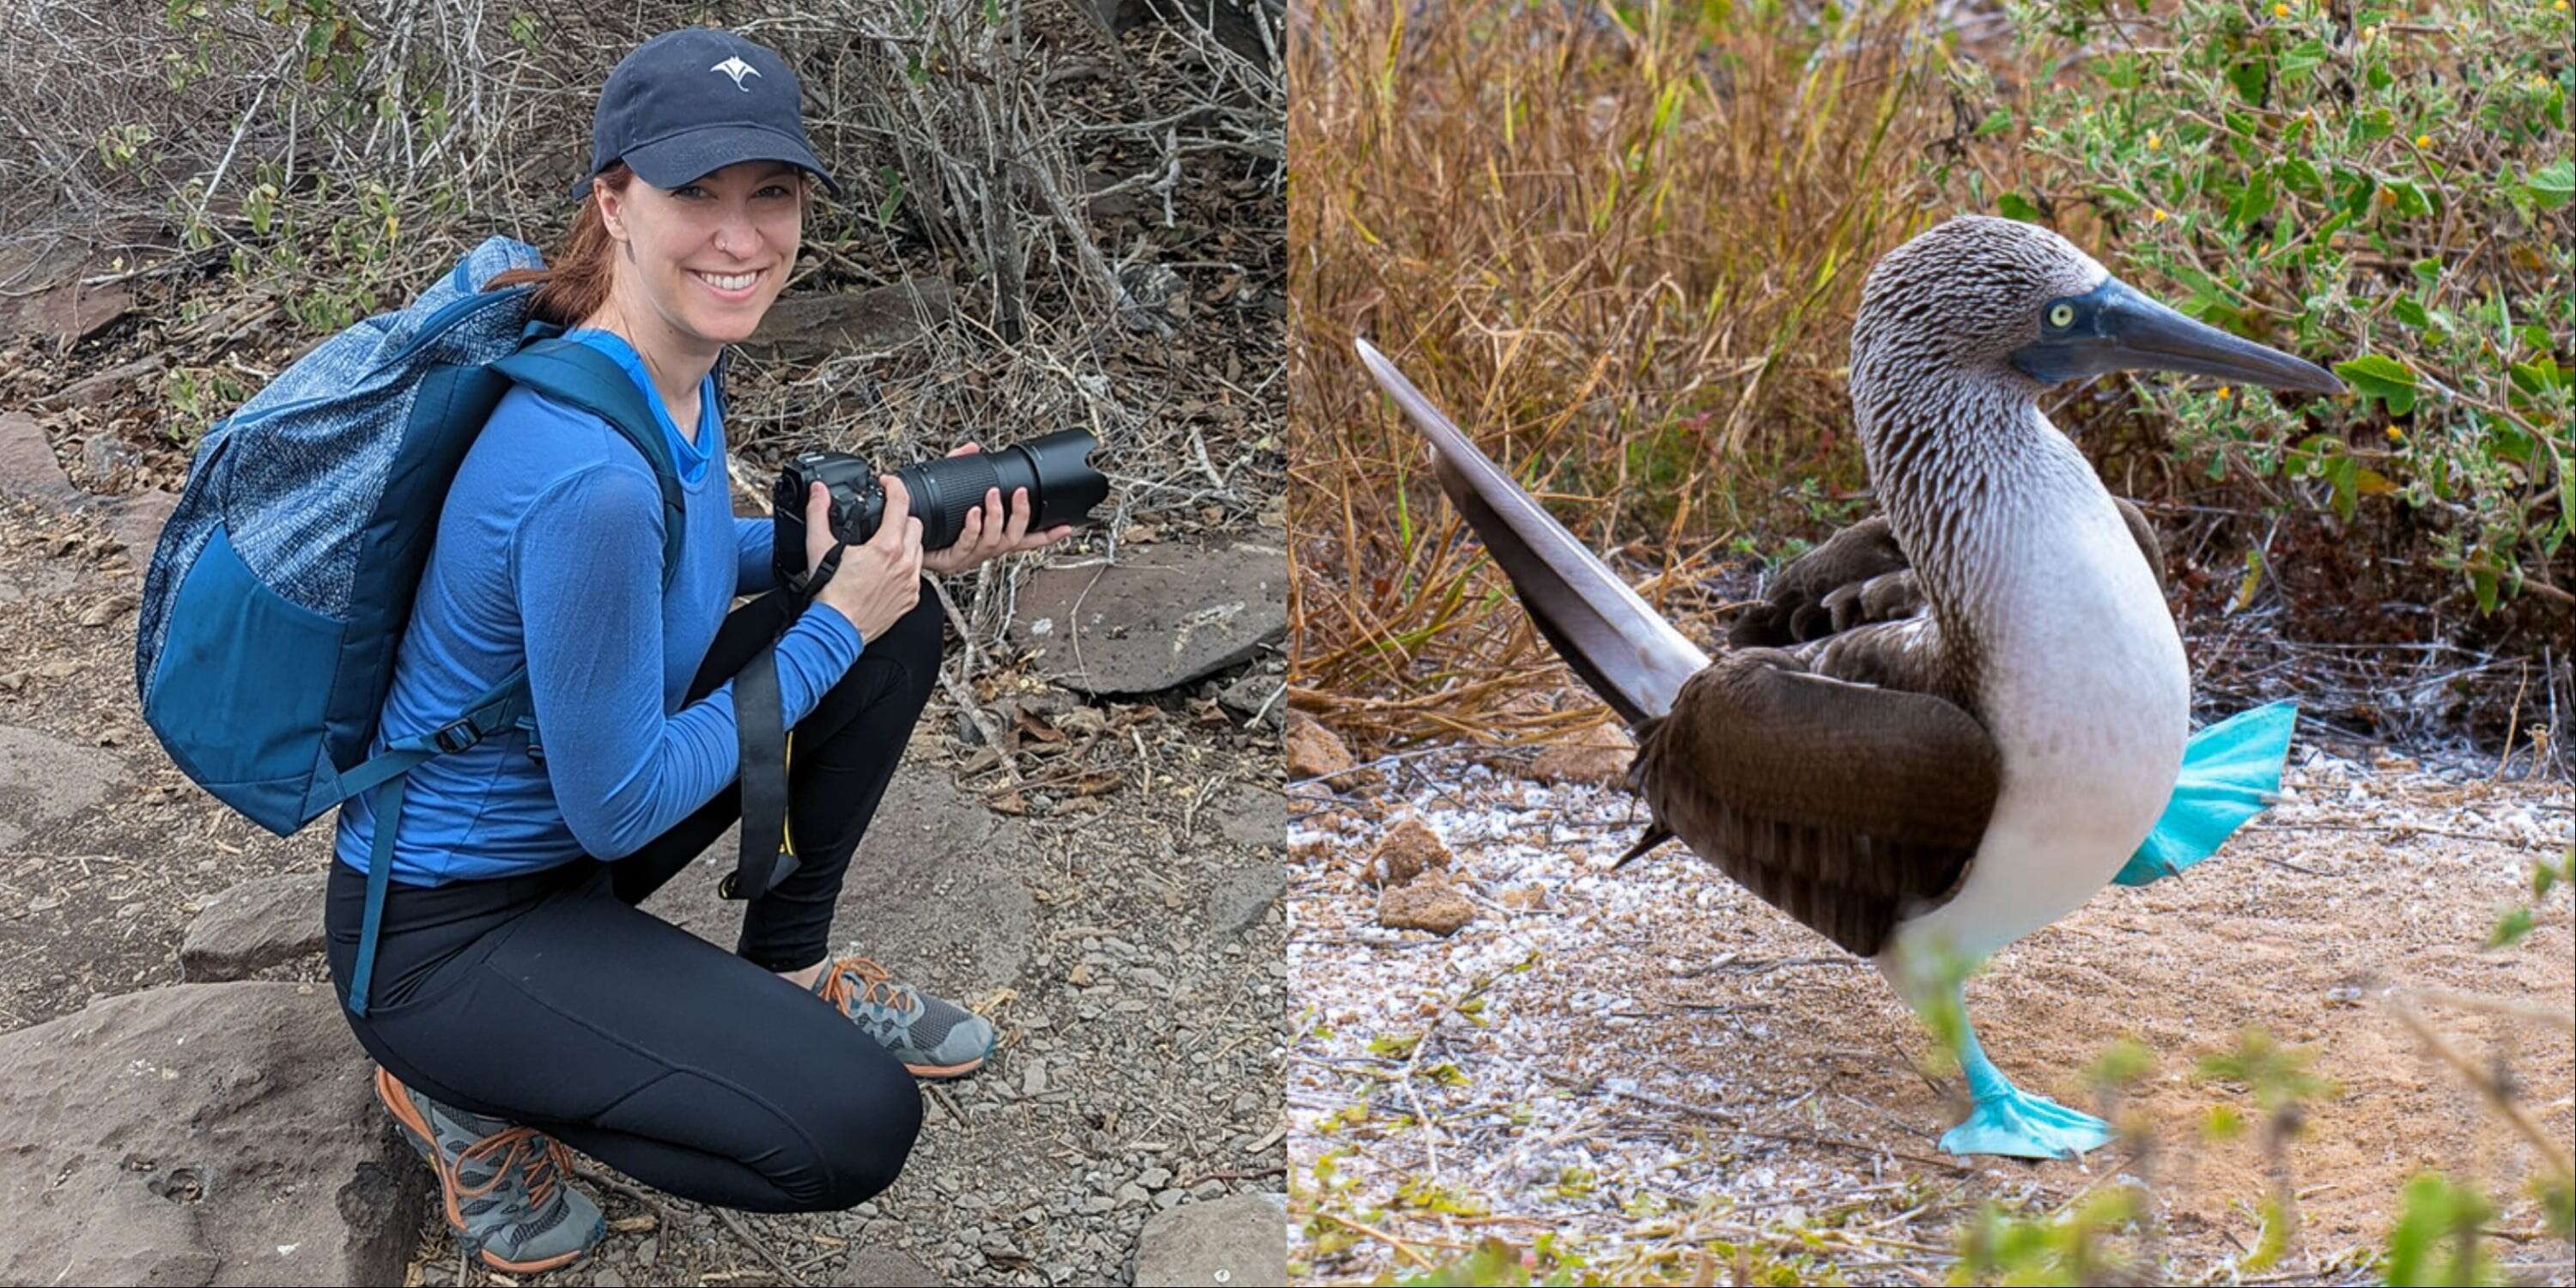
(1841, 787)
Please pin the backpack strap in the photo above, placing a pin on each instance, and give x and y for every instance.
(497, 709)
(573, 373)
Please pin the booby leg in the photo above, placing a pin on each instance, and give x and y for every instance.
(2010, 1121)
(2231, 771)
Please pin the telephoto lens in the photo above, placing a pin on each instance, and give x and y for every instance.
(1056, 469)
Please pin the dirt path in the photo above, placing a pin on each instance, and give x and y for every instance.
(1657, 1064)
(1129, 944)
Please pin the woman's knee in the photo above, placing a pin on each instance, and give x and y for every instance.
(865, 1143)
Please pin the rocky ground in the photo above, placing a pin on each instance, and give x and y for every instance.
(1650, 1076)
(1097, 868)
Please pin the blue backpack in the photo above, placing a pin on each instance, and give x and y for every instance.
(283, 583)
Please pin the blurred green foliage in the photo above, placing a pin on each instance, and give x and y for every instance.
(2382, 190)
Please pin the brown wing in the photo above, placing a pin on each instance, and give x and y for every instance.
(1860, 576)
(1841, 803)
(1844, 805)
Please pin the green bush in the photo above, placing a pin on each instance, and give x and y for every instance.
(2386, 191)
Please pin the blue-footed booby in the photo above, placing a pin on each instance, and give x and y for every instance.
(1952, 723)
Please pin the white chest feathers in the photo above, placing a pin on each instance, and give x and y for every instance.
(2088, 697)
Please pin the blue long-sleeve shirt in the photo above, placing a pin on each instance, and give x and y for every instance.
(549, 551)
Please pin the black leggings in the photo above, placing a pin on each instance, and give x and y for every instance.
(551, 1000)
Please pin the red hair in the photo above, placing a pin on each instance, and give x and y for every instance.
(574, 284)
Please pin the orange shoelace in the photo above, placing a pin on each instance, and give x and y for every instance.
(545, 1164)
(856, 981)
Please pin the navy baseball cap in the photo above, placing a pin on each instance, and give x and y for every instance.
(688, 103)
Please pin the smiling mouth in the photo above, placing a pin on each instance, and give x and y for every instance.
(727, 282)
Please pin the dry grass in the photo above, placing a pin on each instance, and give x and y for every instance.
(1625, 256)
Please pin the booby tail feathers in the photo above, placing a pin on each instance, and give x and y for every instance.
(2231, 771)
(1624, 649)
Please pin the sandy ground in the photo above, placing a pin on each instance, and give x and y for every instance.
(1654, 1064)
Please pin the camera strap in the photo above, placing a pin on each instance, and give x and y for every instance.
(768, 843)
(805, 585)
(768, 848)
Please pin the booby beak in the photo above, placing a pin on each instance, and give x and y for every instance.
(2114, 328)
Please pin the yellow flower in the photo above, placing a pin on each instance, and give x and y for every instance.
(2223, 391)
(2280, 11)
(2152, 141)
(2369, 33)
(2160, 214)
(2396, 435)
(2423, 140)
(2562, 6)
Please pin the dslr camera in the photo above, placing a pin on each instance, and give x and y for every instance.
(1056, 469)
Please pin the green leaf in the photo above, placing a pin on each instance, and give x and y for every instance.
(2510, 929)
(2409, 312)
(2301, 58)
(2386, 379)
(2255, 202)
(2552, 185)
(2012, 205)
(2428, 272)
(2301, 177)
(1996, 122)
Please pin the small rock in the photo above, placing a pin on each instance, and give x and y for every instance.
(27, 464)
(607, 1277)
(1409, 849)
(1255, 694)
(1597, 756)
(1169, 1199)
(889, 1267)
(1428, 902)
(1235, 1241)
(1238, 898)
(106, 455)
(1155, 1178)
(1314, 751)
(255, 925)
(107, 610)
(1250, 814)
(1033, 1081)
(1131, 1194)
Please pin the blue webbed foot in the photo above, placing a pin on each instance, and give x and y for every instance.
(2231, 771)
(2021, 1125)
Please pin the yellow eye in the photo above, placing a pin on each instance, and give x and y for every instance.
(2061, 315)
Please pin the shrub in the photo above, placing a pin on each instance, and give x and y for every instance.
(2380, 189)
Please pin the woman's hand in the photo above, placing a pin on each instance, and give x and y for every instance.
(986, 535)
(878, 581)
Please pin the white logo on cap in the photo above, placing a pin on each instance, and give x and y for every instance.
(736, 68)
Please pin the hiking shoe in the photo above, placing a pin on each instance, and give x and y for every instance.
(503, 1185)
(934, 1038)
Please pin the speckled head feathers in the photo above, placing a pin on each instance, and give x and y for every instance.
(1959, 298)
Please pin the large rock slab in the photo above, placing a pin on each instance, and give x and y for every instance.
(201, 1134)
(255, 925)
(1161, 617)
(936, 891)
(27, 465)
(1241, 1239)
(44, 779)
(807, 328)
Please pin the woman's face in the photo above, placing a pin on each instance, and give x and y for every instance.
(707, 258)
